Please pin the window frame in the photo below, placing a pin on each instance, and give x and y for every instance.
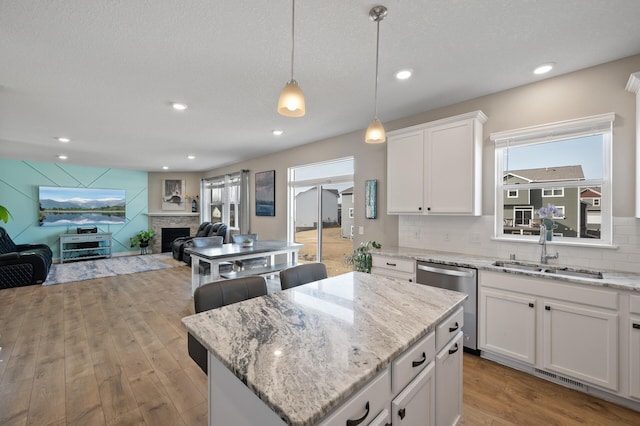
(516, 191)
(581, 127)
(553, 192)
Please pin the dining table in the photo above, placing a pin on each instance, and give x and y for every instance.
(230, 253)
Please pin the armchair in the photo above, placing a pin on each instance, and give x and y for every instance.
(22, 264)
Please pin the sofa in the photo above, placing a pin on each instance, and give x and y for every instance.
(217, 229)
(22, 264)
(177, 246)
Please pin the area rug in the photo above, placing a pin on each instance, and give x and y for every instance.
(100, 268)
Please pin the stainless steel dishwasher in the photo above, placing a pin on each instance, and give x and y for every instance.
(463, 280)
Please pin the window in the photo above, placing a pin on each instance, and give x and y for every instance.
(222, 199)
(553, 192)
(351, 212)
(566, 164)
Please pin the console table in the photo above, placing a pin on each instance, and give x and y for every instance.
(85, 246)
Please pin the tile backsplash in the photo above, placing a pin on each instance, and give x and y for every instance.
(474, 235)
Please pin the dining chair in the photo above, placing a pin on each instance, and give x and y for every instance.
(302, 274)
(217, 294)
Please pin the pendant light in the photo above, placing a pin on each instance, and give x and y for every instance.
(375, 131)
(291, 102)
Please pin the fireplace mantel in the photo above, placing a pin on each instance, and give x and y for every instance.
(186, 214)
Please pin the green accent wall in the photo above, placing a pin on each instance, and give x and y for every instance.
(19, 182)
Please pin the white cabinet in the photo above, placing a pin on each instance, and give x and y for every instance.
(508, 323)
(449, 383)
(559, 327)
(634, 347)
(436, 167)
(581, 342)
(95, 245)
(393, 267)
(404, 172)
(415, 405)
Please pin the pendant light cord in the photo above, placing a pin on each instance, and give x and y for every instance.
(293, 38)
(375, 95)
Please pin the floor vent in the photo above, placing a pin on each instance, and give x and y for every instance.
(564, 380)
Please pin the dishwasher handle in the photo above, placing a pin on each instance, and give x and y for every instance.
(456, 273)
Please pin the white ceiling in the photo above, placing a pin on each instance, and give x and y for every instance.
(103, 72)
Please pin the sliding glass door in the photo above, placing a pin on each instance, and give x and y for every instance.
(317, 217)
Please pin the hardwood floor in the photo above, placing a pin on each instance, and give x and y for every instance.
(113, 351)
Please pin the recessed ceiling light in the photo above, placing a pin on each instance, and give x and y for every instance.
(63, 139)
(165, 167)
(178, 106)
(403, 74)
(278, 132)
(191, 157)
(544, 68)
(62, 157)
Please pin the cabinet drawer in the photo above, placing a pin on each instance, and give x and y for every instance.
(393, 263)
(449, 328)
(635, 304)
(366, 404)
(86, 238)
(383, 419)
(412, 362)
(401, 276)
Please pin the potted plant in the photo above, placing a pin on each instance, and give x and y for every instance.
(248, 242)
(142, 239)
(360, 258)
(4, 214)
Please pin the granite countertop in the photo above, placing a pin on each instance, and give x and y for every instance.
(304, 351)
(613, 279)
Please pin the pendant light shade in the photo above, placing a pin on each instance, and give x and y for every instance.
(291, 102)
(375, 132)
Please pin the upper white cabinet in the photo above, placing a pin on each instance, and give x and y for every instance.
(436, 167)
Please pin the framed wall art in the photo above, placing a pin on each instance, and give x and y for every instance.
(173, 194)
(266, 193)
(371, 199)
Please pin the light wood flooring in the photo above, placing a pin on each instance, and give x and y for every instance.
(113, 351)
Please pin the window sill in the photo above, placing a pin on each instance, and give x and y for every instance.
(560, 243)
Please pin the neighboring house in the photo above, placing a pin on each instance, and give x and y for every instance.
(591, 198)
(346, 228)
(521, 205)
(307, 208)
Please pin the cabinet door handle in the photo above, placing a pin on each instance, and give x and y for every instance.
(391, 264)
(419, 363)
(356, 422)
(402, 413)
(453, 351)
(420, 208)
(547, 308)
(428, 209)
(531, 305)
(452, 329)
(636, 326)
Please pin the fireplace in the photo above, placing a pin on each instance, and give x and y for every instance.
(170, 234)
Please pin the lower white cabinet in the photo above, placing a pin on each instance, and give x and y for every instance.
(383, 419)
(448, 395)
(568, 329)
(581, 342)
(634, 347)
(394, 267)
(508, 322)
(415, 405)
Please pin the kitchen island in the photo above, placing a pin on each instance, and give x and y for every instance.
(307, 355)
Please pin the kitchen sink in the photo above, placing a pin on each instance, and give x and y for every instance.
(548, 269)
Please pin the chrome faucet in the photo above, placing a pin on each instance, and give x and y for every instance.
(544, 257)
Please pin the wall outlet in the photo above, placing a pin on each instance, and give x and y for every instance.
(446, 236)
(361, 230)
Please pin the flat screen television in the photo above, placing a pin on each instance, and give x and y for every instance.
(60, 206)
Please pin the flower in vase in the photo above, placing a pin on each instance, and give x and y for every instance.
(548, 212)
